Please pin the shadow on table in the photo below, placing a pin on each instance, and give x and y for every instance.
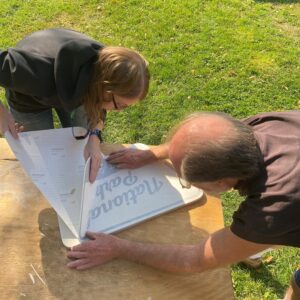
(122, 279)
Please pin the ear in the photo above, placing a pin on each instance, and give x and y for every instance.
(222, 184)
(227, 183)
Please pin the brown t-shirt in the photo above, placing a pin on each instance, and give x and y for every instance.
(270, 214)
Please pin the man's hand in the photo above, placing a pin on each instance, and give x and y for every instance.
(92, 150)
(101, 249)
(131, 158)
(7, 122)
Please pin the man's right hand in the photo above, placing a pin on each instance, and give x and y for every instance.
(130, 158)
(7, 122)
(135, 158)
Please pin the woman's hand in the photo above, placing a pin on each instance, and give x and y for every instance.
(131, 158)
(92, 150)
(7, 122)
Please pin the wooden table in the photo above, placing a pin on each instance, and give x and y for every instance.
(33, 259)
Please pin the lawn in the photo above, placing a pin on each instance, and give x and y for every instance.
(239, 57)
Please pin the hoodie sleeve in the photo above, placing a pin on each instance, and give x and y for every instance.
(27, 73)
(64, 76)
(73, 70)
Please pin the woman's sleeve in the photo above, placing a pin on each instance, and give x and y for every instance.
(26, 72)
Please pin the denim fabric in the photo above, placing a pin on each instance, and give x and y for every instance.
(297, 277)
(44, 119)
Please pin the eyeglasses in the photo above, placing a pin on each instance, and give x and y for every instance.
(117, 106)
(184, 183)
(114, 102)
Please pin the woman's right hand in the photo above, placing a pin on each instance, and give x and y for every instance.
(7, 122)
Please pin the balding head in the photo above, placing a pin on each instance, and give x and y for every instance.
(200, 129)
(207, 140)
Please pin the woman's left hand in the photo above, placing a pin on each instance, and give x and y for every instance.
(92, 150)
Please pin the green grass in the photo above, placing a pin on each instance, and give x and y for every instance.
(240, 57)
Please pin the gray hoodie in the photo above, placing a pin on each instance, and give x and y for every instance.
(48, 69)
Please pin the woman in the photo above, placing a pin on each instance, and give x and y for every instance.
(77, 76)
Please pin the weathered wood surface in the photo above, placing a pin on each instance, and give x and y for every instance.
(30, 244)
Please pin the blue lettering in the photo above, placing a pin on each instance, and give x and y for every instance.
(94, 213)
(140, 189)
(115, 182)
(105, 207)
(107, 186)
(100, 190)
(118, 200)
(130, 179)
(131, 196)
(156, 186)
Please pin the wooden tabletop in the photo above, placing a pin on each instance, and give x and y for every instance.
(33, 259)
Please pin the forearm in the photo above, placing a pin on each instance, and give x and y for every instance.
(171, 258)
(2, 107)
(7, 122)
(92, 150)
(160, 151)
(217, 250)
(99, 125)
(95, 139)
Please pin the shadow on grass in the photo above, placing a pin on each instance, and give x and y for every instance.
(263, 275)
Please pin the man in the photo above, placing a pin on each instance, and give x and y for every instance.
(258, 156)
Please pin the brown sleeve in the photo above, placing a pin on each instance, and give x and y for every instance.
(270, 220)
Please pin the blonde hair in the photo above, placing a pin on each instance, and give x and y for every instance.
(117, 70)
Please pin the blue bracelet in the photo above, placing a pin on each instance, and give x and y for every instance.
(98, 133)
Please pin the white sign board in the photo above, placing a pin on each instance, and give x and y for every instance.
(116, 200)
